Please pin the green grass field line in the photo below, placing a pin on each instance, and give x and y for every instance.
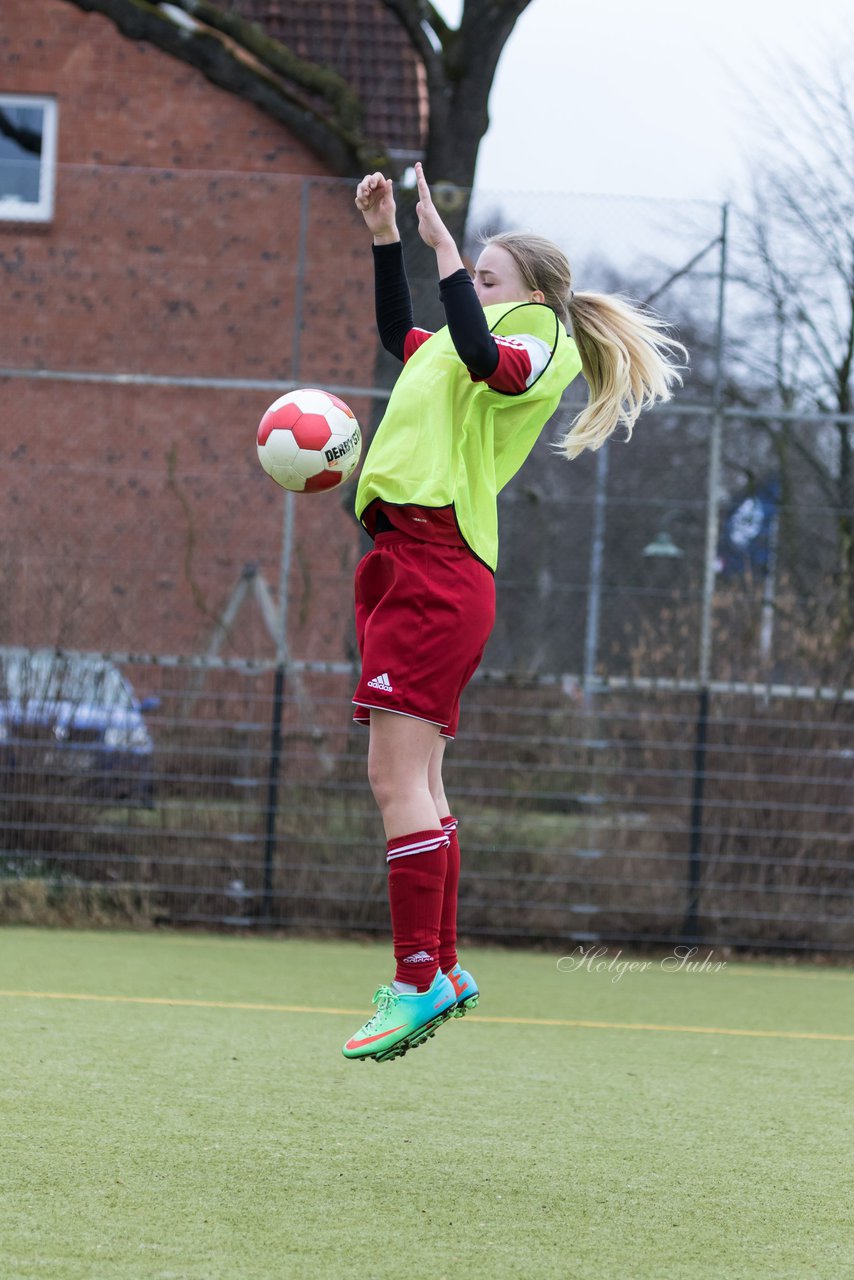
(179, 1119)
(319, 1009)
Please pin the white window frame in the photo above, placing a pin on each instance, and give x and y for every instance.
(12, 210)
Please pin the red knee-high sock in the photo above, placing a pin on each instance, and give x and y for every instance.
(448, 925)
(416, 885)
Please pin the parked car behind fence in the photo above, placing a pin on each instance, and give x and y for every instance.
(70, 723)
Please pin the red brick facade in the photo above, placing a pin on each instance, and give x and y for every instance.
(130, 512)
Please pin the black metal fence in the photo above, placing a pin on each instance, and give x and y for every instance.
(655, 812)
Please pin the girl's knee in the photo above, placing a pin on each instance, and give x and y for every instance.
(391, 774)
(437, 792)
(399, 757)
(380, 779)
(434, 776)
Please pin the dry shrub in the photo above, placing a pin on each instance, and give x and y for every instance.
(69, 904)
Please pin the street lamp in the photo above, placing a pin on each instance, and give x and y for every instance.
(662, 547)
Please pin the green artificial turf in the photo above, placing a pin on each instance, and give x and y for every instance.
(160, 1141)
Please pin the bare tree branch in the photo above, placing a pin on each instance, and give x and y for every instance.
(799, 266)
(417, 17)
(822, 473)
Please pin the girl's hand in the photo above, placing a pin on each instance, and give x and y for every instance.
(433, 231)
(431, 228)
(375, 202)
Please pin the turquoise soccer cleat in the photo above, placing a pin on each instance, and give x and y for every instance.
(402, 1021)
(466, 991)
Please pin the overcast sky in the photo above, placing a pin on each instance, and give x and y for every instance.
(623, 97)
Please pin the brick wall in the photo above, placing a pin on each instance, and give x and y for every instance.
(129, 512)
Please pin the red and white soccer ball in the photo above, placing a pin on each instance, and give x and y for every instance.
(309, 441)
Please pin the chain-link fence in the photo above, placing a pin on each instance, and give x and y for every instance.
(659, 745)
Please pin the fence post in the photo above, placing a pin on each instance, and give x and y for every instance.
(594, 590)
(713, 485)
(277, 718)
(690, 925)
(274, 766)
(299, 288)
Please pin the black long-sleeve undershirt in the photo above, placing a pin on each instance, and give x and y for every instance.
(392, 298)
(469, 331)
(470, 334)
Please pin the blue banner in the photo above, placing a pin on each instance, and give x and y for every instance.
(748, 532)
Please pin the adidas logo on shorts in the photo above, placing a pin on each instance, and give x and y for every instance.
(381, 682)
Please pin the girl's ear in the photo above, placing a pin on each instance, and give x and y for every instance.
(538, 296)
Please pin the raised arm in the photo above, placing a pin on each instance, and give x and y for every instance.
(469, 331)
(392, 298)
(375, 202)
(393, 302)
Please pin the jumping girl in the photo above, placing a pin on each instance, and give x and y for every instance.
(462, 418)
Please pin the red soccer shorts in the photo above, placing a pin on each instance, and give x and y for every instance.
(424, 613)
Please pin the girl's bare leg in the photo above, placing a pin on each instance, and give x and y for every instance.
(448, 923)
(399, 755)
(434, 778)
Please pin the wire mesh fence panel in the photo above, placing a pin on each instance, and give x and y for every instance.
(575, 824)
(659, 746)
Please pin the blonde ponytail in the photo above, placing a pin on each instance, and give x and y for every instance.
(627, 360)
(628, 363)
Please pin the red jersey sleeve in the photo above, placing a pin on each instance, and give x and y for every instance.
(413, 340)
(520, 362)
